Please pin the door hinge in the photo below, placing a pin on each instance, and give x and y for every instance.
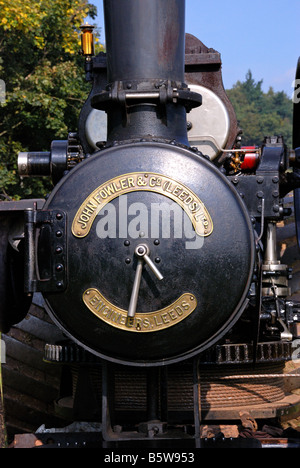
(45, 251)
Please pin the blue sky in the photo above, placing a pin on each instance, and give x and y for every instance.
(260, 35)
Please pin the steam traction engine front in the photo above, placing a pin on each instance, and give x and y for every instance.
(157, 259)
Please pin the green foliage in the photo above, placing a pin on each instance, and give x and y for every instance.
(261, 114)
(46, 87)
(45, 82)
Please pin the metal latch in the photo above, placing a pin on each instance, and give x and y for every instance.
(45, 251)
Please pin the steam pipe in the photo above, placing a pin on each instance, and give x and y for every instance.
(145, 39)
(145, 47)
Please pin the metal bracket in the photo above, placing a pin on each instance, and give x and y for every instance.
(163, 92)
(45, 251)
(265, 183)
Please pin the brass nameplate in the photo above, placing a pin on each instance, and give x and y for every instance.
(142, 322)
(140, 181)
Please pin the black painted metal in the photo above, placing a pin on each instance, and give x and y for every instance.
(261, 190)
(146, 101)
(101, 263)
(297, 201)
(14, 302)
(45, 251)
(140, 49)
(296, 146)
(296, 110)
(146, 95)
(38, 163)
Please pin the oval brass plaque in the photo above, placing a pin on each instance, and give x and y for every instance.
(142, 322)
(140, 181)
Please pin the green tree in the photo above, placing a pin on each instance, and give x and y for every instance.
(252, 90)
(45, 82)
(261, 114)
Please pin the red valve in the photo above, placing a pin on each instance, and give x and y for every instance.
(250, 159)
